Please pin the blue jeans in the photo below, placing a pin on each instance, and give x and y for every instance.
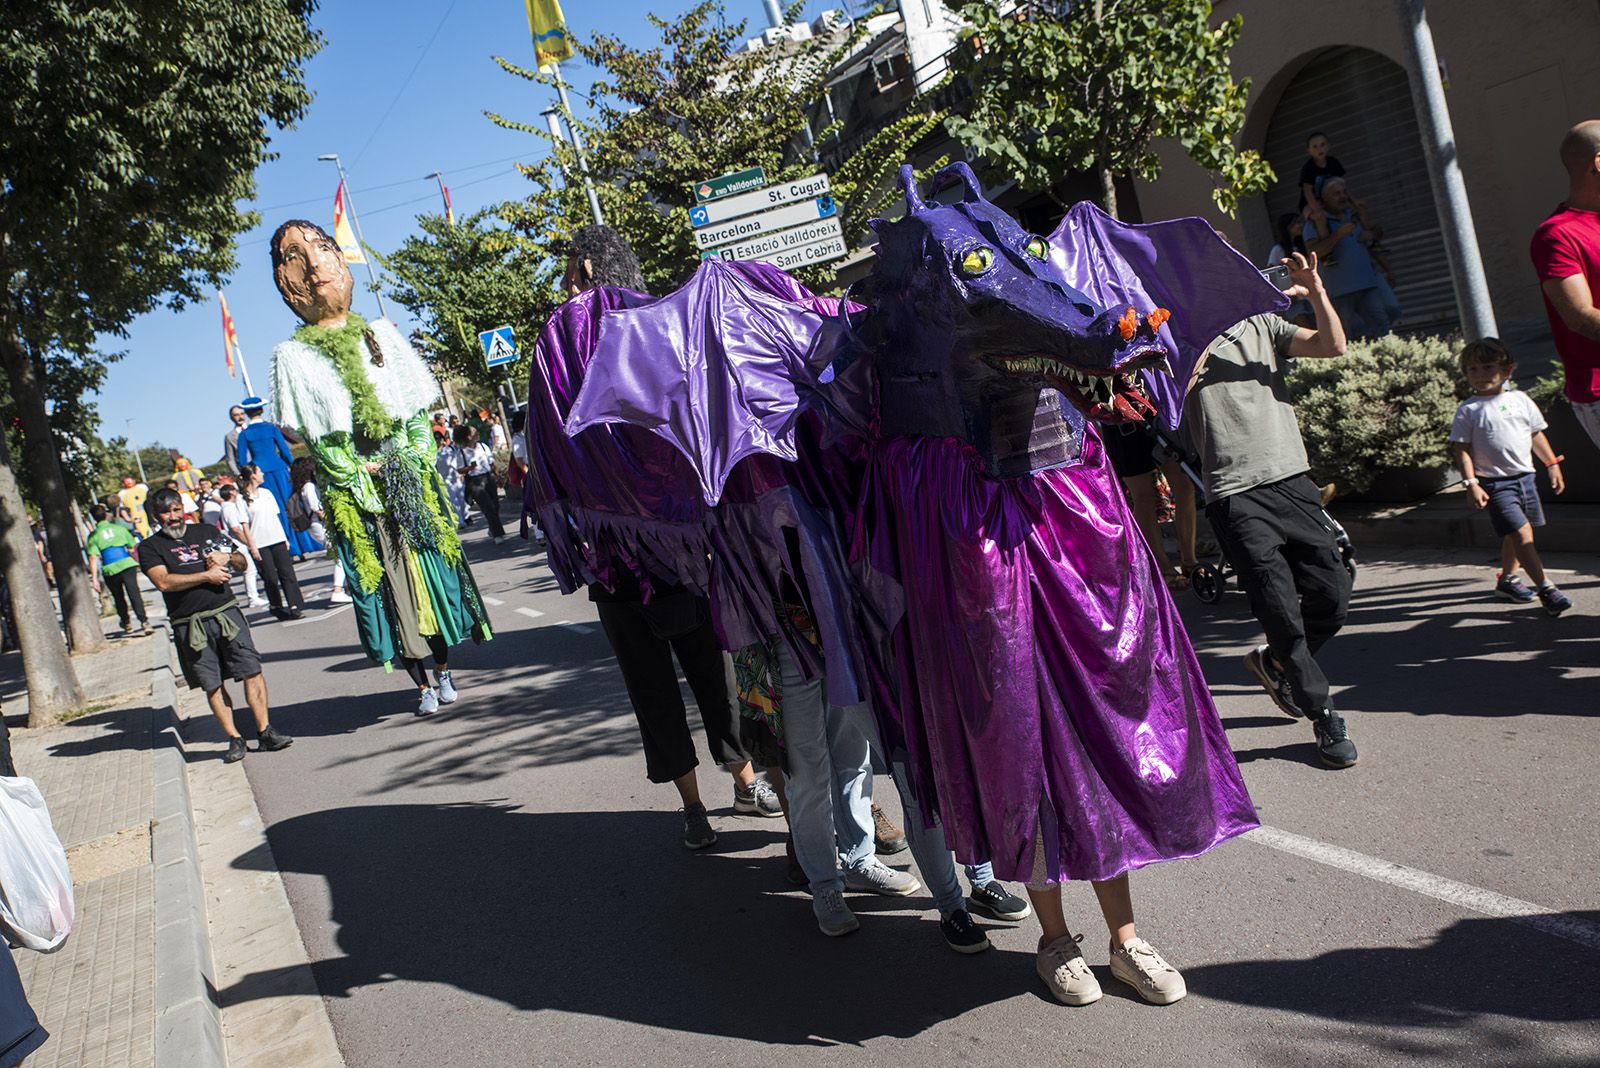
(1365, 313)
(931, 852)
(829, 779)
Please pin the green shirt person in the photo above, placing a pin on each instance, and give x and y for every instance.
(111, 550)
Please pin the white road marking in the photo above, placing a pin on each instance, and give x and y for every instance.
(581, 628)
(318, 617)
(1550, 921)
(531, 613)
(493, 602)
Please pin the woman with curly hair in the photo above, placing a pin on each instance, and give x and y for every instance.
(360, 395)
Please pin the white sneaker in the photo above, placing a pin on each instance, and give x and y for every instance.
(258, 604)
(502, 539)
(1066, 973)
(1139, 965)
(447, 689)
(339, 596)
(428, 703)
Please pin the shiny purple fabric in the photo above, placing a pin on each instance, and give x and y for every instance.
(1042, 666)
(1181, 265)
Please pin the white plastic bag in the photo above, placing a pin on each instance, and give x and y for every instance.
(35, 884)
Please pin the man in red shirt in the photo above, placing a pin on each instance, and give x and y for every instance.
(1566, 255)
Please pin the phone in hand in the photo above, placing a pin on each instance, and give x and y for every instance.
(1278, 275)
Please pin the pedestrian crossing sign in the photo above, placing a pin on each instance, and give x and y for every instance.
(499, 346)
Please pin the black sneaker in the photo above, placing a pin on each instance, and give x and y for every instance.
(236, 751)
(1555, 602)
(272, 740)
(887, 839)
(1333, 740)
(1259, 662)
(994, 900)
(697, 832)
(962, 933)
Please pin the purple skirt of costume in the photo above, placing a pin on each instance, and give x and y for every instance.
(1041, 680)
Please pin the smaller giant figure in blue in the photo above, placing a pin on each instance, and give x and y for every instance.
(263, 444)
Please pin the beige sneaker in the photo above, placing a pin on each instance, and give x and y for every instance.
(1066, 973)
(1139, 965)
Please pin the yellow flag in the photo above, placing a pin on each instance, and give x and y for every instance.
(549, 29)
(342, 231)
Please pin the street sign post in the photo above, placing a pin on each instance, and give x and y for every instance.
(771, 197)
(766, 222)
(765, 247)
(728, 185)
(499, 346)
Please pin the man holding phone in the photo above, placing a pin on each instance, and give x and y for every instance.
(1264, 510)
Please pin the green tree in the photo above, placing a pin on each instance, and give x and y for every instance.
(1058, 89)
(692, 106)
(129, 134)
(460, 280)
(70, 384)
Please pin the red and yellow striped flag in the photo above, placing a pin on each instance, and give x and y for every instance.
(230, 340)
(343, 233)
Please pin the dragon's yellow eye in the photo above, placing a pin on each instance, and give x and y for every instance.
(1038, 248)
(977, 261)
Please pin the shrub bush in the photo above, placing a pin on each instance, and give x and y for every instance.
(1384, 405)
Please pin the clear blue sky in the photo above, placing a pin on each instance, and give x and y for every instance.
(389, 131)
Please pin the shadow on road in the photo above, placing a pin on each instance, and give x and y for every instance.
(463, 895)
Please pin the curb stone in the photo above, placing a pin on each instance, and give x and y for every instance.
(188, 1020)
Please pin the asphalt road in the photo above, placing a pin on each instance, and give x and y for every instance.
(499, 885)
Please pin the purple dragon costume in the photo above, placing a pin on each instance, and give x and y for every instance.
(921, 463)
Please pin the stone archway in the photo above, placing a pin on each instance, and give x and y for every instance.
(1362, 101)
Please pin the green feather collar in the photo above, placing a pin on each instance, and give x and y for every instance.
(343, 345)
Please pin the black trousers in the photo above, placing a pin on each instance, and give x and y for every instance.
(1282, 546)
(481, 492)
(644, 651)
(277, 573)
(124, 587)
(8, 769)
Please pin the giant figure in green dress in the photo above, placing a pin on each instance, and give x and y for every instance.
(359, 394)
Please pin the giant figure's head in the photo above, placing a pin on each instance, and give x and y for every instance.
(311, 273)
(982, 283)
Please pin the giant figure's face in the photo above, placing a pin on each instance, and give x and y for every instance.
(313, 277)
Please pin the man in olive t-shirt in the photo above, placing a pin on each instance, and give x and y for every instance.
(1267, 515)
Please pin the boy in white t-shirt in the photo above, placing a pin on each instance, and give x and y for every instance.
(1496, 434)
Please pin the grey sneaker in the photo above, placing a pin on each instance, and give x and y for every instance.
(759, 800)
(1138, 964)
(428, 702)
(876, 877)
(1066, 973)
(1259, 662)
(447, 689)
(697, 832)
(833, 915)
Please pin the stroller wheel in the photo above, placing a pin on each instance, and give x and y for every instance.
(1207, 583)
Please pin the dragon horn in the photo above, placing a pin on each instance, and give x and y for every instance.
(959, 171)
(908, 182)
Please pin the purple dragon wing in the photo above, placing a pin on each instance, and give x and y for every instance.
(712, 368)
(1182, 265)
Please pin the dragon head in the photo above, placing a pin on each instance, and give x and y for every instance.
(1012, 321)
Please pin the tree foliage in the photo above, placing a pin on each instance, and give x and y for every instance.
(460, 280)
(692, 106)
(1087, 87)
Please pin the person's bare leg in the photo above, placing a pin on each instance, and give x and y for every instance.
(1116, 904)
(688, 788)
(1142, 502)
(743, 774)
(1183, 520)
(1508, 555)
(222, 708)
(255, 692)
(1047, 907)
(776, 781)
(1529, 555)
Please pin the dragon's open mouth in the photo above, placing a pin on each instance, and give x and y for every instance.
(1108, 396)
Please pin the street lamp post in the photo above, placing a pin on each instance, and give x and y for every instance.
(444, 194)
(136, 457)
(350, 206)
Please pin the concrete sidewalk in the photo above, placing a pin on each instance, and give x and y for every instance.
(1448, 520)
(131, 986)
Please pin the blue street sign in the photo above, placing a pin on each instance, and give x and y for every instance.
(699, 216)
(499, 346)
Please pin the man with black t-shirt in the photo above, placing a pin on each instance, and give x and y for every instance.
(192, 565)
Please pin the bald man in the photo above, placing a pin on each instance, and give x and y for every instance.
(1566, 255)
